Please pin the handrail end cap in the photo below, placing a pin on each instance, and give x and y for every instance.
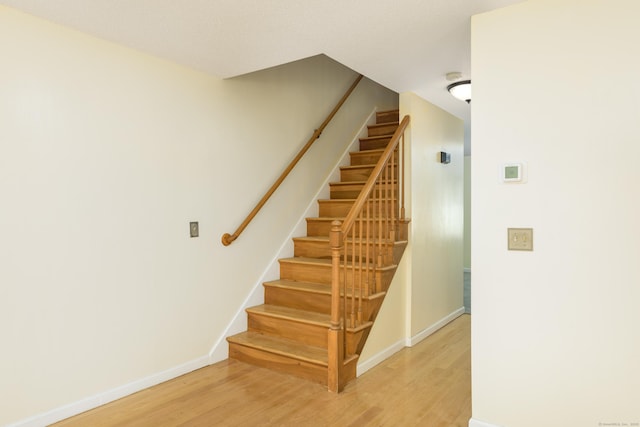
(227, 239)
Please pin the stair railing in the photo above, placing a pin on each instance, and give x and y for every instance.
(364, 242)
(227, 238)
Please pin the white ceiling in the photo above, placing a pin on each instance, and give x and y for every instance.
(405, 45)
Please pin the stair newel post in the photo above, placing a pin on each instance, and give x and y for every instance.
(336, 331)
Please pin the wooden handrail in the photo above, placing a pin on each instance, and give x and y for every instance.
(227, 238)
(371, 182)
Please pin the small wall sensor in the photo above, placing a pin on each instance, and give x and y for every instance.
(512, 172)
(445, 157)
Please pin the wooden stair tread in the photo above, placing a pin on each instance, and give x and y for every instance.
(393, 181)
(360, 327)
(317, 288)
(313, 238)
(347, 239)
(342, 218)
(281, 346)
(393, 122)
(300, 316)
(368, 152)
(346, 201)
(375, 138)
(352, 167)
(327, 262)
(306, 260)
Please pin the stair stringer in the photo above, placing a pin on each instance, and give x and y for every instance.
(220, 349)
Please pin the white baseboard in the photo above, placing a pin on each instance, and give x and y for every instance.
(365, 365)
(105, 397)
(433, 328)
(477, 423)
(378, 358)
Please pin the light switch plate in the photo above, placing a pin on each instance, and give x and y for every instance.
(520, 239)
(194, 229)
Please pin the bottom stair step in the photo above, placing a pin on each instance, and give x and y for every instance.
(280, 354)
(307, 327)
(281, 346)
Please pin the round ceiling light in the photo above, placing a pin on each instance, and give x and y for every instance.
(461, 90)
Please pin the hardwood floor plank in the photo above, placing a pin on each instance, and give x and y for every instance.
(428, 385)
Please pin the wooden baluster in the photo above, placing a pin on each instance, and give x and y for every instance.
(379, 236)
(360, 271)
(368, 247)
(392, 207)
(387, 216)
(402, 212)
(353, 277)
(345, 275)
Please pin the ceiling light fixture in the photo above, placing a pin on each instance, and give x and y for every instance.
(461, 90)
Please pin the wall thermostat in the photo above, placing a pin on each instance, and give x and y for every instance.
(512, 172)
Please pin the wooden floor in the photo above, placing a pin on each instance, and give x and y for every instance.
(428, 385)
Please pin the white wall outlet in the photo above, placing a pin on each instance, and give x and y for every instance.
(520, 239)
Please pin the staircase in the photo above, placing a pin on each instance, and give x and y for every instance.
(290, 331)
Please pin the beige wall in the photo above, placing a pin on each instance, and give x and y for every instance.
(556, 340)
(436, 211)
(427, 289)
(106, 154)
